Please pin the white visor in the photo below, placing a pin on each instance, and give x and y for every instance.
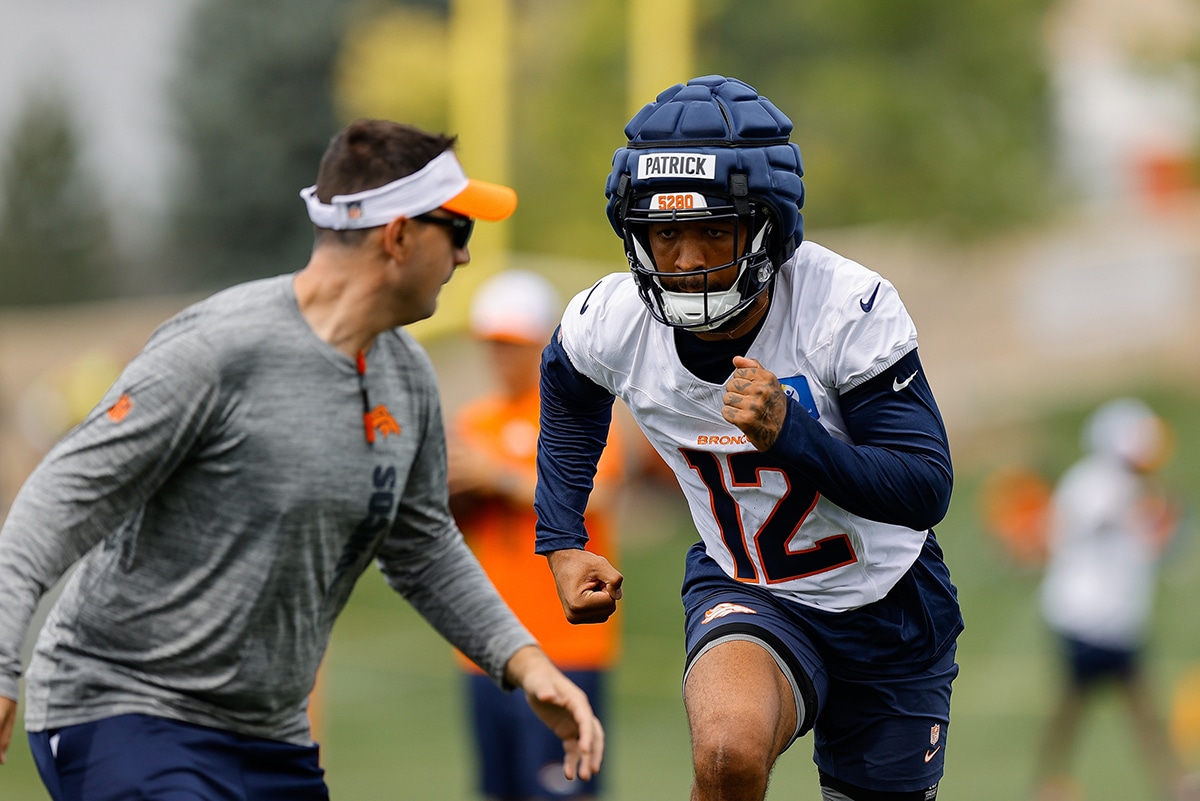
(425, 190)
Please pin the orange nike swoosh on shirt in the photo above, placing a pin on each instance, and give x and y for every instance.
(931, 754)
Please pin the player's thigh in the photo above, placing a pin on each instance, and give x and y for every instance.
(737, 634)
(735, 693)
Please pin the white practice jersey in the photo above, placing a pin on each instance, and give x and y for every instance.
(1099, 582)
(833, 324)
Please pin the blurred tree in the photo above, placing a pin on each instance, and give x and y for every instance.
(927, 111)
(255, 112)
(55, 240)
(386, 41)
(570, 109)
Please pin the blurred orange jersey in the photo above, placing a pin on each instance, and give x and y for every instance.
(501, 534)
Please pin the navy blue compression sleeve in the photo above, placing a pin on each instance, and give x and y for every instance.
(575, 417)
(898, 469)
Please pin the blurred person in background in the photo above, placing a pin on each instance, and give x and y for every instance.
(492, 450)
(1107, 526)
(781, 383)
(221, 501)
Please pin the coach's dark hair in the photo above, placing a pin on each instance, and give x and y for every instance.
(370, 153)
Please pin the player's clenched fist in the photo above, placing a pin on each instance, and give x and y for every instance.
(588, 586)
(755, 402)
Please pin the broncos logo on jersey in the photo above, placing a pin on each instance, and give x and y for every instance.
(381, 420)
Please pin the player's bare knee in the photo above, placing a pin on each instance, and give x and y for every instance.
(730, 774)
(729, 757)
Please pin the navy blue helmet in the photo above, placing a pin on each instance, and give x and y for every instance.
(711, 148)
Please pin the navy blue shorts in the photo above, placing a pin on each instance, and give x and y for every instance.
(882, 731)
(519, 757)
(1089, 664)
(140, 756)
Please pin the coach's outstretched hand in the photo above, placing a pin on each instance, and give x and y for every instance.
(563, 707)
(8, 718)
(588, 585)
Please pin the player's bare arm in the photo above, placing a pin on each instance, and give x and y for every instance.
(755, 402)
(588, 585)
(563, 707)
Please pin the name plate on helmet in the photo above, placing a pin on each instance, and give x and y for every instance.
(677, 165)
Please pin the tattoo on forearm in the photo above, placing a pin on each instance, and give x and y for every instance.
(770, 416)
(771, 410)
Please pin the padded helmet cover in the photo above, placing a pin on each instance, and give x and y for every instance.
(724, 118)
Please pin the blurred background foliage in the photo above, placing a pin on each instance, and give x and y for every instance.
(928, 112)
(925, 112)
(55, 240)
(254, 99)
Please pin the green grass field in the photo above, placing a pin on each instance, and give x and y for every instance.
(394, 719)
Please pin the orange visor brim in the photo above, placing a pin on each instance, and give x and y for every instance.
(483, 201)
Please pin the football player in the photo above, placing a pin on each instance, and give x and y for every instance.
(1109, 523)
(781, 383)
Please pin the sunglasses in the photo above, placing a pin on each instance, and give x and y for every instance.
(460, 227)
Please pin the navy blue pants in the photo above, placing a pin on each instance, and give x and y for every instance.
(136, 757)
(519, 757)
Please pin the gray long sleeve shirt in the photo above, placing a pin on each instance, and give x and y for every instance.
(222, 500)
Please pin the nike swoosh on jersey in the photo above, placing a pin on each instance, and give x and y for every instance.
(583, 308)
(869, 304)
(898, 385)
(931, 754)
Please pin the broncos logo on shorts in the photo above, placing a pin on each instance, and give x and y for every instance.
(724, 610)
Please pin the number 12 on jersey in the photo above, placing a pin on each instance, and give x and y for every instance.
(776, 562)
